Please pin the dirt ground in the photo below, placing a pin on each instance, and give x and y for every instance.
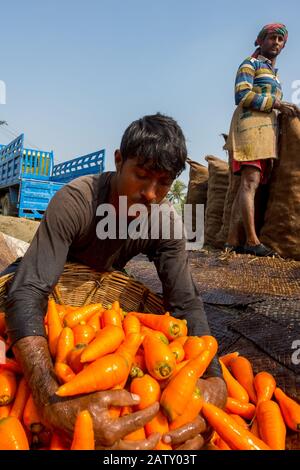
(18, 227)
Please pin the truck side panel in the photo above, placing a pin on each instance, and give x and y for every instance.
(35, 196)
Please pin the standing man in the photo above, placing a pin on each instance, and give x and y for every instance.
(253, 132)
(152, 154)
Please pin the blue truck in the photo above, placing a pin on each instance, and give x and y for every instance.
(29, 178)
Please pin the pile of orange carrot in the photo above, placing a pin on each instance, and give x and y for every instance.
(95, 348)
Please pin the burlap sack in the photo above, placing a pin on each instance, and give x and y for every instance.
(281, 230)
(197, 187)
(217, 188)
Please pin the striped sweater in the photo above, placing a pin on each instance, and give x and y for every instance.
(257, 84)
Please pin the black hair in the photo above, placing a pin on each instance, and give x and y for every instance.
(158, 142)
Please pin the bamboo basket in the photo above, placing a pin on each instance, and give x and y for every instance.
(79, 285)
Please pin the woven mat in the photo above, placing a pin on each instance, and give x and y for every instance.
(273, 338)
(244, 275)
(219, 319)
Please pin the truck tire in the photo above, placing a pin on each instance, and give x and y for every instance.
(7, 207)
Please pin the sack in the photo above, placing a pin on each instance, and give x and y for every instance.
(197, 188)
(281, 229)
(217, 188)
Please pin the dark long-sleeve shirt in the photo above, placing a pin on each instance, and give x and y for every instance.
(69, 231)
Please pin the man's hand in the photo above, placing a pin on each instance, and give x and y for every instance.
(194, 435)
(288, 109)
(60, 414)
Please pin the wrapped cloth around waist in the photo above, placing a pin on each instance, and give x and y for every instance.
(252, 135)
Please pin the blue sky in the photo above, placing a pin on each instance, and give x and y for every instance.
(77, 73)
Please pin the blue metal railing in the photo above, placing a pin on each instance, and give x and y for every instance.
(92, 163)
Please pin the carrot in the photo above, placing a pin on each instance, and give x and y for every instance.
(8, 387)
(83, 333)
(172, 327)
(179, 390)
(211, 345)
(238, 419)
(242, 370)
(20, 399)
(271, 425)
(58, 443)
(177, 351)
(222, 444)
(148, 390)
(102, 374)
(264, 384)
(231, 432)
(114, 411)
(159, 359)
(254, 428)
(54, 327)
(94, 321)
(191, 412)
(131, 324)
(31, 417)
(63, 372)
(137, 435)
(138, 367)
(290, 409)
(83, 438)
(12, 434)
(158, 424)
(111, 317)
(81, 314)
(235, 389)
(5, 411)
(194, 346)
(157, 334)
(227, 358)
(74, 358)
(11, 365)
(246, 410)
(65, 344)
(106, 342)
(182, 340)
(129, 348)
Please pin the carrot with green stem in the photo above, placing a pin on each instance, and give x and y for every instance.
(177, 351)
(145, 330)
(107, 341)
(290, 409)
(264, 384)
(242, 370)
(172, 327)
(179, 390)
(83, 438)
(191, 412)
(235, 389)
(159, 359)
(84, 313)
(230, 431)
